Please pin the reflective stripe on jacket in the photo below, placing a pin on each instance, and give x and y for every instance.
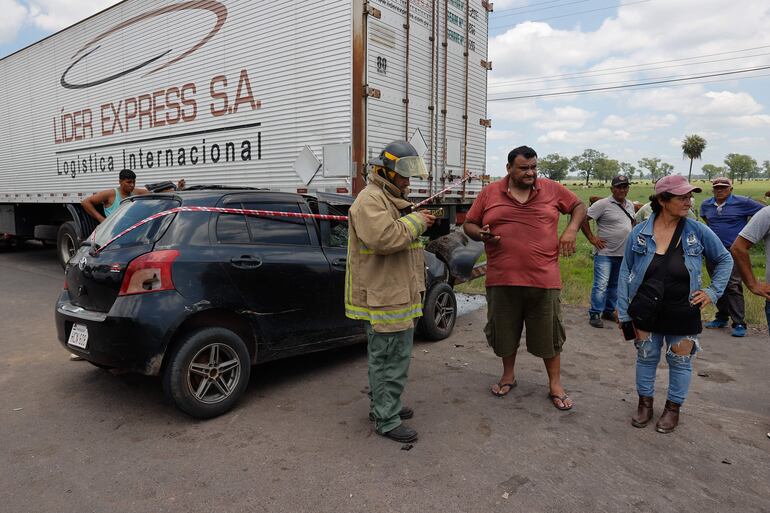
(385, 272)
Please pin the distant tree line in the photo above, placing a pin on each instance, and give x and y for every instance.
(595, 165)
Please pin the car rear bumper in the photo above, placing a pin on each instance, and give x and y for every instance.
(133, 335)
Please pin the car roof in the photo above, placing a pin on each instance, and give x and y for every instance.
(212, 194)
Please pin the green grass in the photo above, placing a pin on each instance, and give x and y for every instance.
(577, 270)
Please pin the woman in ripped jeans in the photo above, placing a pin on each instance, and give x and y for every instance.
(660, 294)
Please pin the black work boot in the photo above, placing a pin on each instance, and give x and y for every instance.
(405, 413)
(609, 316)
(595, 321)
(643, 412)
(402, 434)
(670, 418)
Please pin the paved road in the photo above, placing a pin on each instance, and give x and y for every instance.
(77, 439)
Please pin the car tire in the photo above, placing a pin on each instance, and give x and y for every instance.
(67, 242)
(439, 312)
(207, 372)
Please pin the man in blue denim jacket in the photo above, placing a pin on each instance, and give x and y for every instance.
(678, 322)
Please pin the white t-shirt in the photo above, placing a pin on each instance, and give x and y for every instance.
(759, 229)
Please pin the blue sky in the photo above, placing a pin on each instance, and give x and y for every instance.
(551, 46)
(640, 41)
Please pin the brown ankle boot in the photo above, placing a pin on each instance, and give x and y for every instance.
(643, 412)
(669, 419)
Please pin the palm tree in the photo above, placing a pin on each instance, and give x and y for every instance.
(692, 148)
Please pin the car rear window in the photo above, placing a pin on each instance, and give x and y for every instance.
(131, 213)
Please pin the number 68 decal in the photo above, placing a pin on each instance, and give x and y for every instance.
(382, 65)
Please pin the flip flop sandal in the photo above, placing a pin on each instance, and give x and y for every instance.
(500, 386)
(563, 399)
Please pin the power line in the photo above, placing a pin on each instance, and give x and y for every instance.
(528, 6)
(578, 12)
(637, 70)
(627, 86)
(567, 75)
(602, 84)
(538, 9)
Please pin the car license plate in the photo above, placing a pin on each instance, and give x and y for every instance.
(79, 336)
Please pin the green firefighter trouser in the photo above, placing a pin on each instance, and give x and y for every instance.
(389, 357)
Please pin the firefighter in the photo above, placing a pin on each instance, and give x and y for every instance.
(385, 279)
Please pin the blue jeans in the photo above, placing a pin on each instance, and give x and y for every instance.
(679, 366)
(604, 293)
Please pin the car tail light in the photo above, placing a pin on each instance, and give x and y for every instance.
(66, 287)
(150, 272)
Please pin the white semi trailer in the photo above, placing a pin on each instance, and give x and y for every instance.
(292, 96)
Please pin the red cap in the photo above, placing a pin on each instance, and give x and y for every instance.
(721, 181)
(675, 184)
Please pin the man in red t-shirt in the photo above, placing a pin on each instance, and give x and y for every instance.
(517, 219)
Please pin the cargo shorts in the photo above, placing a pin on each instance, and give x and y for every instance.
(510, 309)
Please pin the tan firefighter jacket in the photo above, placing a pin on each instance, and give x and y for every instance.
(385, 273)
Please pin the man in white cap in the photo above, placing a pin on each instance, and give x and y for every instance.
(614, 218)
(727, 214)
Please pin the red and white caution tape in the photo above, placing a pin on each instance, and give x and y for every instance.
(262, 213)
(220, 210)
(443, 191)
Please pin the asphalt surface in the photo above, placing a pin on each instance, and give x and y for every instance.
(76, 438)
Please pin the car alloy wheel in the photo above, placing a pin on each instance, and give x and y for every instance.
(439, 312)
(444, 311)
(207, 371)
(213, 373)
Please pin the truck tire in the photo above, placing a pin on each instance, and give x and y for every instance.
(207, 372)
(439, 312)
(67, 242)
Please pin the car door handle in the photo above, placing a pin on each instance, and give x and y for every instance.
(339, 261)
(246, 262)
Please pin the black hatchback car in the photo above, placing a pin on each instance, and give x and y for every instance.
(200, 297)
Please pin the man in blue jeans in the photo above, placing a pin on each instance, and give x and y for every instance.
(614, 218)
(758, 229)
(727, 214)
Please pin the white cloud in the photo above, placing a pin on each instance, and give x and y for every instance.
(586, 137)
(11, 20)
(55, 15)
(696, 101)
(640, 123)
(756, 121)
(501, 135)
(564, 118)
(514, 111)
(748, 140)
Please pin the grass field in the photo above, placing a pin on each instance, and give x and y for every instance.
(577, 270)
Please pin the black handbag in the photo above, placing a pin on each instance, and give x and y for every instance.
(645, 307)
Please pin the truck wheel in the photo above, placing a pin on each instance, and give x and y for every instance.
(207, 372)
(67, 242)
(439, 312)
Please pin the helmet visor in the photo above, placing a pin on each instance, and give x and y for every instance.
(411, 167)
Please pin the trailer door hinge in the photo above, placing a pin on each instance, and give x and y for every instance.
(486, 64)
(485, 122)
(489, 6)
(372, 11)
(371, 92)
